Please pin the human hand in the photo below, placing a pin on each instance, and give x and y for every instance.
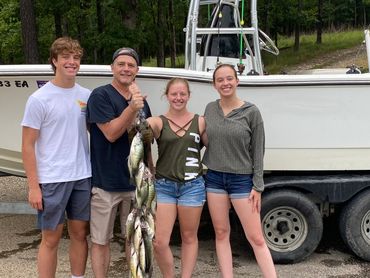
(35, 197)
(137, 100)
(255, 198)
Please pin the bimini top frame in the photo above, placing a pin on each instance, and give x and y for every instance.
(193, 32)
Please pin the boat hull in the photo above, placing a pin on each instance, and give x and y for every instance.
(312, 122)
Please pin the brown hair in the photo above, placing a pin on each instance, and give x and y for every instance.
(176, 80)
(61, 45)
(223, 66)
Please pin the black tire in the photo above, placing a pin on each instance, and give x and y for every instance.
(292, 225)
(354, 225)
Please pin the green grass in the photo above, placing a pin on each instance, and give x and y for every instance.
(309, 49)
(288, 58)
(152, 62)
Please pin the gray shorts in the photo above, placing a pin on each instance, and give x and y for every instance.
(58, 198)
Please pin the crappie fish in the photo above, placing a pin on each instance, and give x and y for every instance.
(136, 154)
(144, 128)
(143, 191)
(153, 206)
(142, 258)
(137, 234)
(149, 232)
(138, 199)
(150, 220)
(130, 224)
(139, 174)
(149, 253)
(151, 192)
(134, 263)
(139, 273)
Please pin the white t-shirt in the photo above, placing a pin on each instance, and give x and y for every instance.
(62, 150)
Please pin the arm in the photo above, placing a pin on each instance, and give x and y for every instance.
(156, 125)
(115, 128)
(202, 130)
(257, 153)
(29, 138)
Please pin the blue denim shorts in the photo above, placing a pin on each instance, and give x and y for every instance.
(188, 194)
(235, 185)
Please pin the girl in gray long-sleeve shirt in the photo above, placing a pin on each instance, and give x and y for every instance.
(234, 157)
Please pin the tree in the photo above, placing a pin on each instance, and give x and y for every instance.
(29, 31)
(297, 28)
(171, 25)
(159, 22)
(319, 22)
(98, 50)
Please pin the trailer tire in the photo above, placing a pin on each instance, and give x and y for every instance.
(292, 225)
(354, 225)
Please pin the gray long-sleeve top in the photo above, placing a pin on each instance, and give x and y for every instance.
(236, 142)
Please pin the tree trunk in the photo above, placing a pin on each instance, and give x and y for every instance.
(58, 23)
(297, 26)
(266, 17)
(160, 38)
(130, 14)
(29, 32)
(100, 22)
(364, 14)
(319, 22)
(172, 33)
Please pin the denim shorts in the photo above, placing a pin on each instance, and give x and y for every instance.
(188, 194)
(235, 185)
(71, 198)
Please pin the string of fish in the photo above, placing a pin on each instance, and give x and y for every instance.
(140, 226)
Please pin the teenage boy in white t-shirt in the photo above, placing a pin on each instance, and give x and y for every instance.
(56, 159)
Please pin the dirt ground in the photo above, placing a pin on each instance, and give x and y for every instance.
(20, 240)
(338, 59)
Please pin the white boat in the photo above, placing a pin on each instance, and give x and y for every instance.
(315, 124)
(306, 125)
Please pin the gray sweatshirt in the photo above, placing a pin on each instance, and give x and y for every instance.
(236, 142)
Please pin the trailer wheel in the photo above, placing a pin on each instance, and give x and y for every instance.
(354, 225)
(292, 225)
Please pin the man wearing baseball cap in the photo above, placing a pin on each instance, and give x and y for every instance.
(126, 51)
(111, 110)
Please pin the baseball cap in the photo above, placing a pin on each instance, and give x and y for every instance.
(126, 51)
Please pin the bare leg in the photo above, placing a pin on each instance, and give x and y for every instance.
(189, 218)
(78, 248)
(165, 219)
(48, 251)
(100, 259)
(219, 205)
(251, 223)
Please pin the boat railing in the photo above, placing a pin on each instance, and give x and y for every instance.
(367, 42)
(249, 48)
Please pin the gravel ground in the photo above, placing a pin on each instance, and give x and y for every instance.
(339, 59)
(20, 240)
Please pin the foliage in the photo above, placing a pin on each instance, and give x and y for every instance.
(10, 35)
(135, 23)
